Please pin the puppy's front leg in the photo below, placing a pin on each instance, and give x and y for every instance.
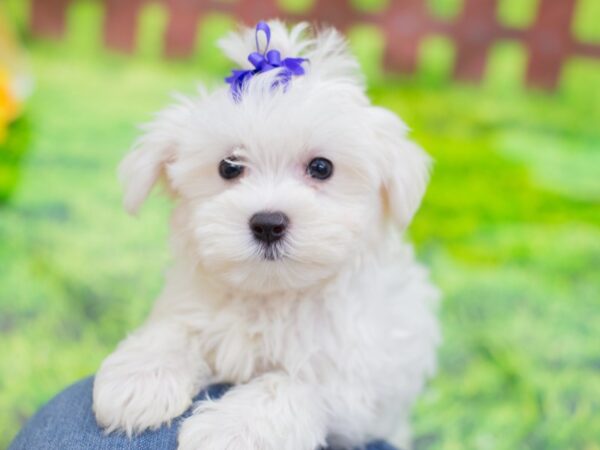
(272, 412)
(150, 378)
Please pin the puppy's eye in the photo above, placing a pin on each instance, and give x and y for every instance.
(320, 168)
(230, 169)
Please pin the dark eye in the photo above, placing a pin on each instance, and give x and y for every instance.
(230, 169)
(320, 168)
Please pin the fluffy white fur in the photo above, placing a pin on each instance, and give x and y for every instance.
(330, 343)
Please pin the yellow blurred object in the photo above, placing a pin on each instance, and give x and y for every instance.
(15, 83)
(9, 108)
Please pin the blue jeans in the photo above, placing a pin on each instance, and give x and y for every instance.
(67, 423)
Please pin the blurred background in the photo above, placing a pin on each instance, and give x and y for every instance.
(505, 94)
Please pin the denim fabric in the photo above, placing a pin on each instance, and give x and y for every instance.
(67, 423)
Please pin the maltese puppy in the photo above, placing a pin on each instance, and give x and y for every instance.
(290, 278)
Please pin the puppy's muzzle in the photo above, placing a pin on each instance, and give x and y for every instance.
(269, 227)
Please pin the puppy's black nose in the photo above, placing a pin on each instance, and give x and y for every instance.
(269, 227)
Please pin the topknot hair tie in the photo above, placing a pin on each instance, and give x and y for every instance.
(263, 62)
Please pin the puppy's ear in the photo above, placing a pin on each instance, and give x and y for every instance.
(405, 167)
(143, 166)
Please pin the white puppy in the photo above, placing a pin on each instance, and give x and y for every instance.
(290, 278)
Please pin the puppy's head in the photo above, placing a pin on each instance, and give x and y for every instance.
(280, 188)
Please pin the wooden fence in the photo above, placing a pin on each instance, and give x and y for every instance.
(404, 23)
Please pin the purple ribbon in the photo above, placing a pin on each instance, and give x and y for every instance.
(263, 62)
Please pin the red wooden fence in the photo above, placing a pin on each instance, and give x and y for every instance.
(404, 23)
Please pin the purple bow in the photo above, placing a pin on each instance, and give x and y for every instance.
(263, 62)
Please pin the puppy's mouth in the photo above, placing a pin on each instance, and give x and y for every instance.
(271, 252)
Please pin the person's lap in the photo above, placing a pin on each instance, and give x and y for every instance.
(67, 423)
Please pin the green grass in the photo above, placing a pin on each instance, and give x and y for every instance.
(510, 227)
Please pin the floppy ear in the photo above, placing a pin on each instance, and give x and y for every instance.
(143, 166)
(405, 166)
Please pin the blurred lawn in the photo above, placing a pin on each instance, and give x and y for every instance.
(510, 228)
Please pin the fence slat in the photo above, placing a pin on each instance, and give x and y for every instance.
(120, 24)
(405, 24)
(251, 12)
(180, 36)
(474, 34)
(47, 17)
(550, 42)
(338, 13)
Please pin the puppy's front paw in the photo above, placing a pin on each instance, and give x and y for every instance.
(223, 426)
(131, 396)
(221, 431)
